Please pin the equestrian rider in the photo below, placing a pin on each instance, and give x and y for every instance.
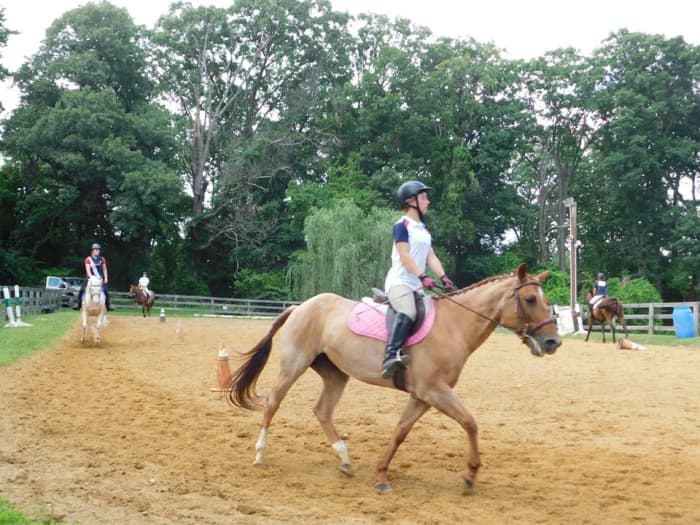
(600, 290)
(144, 281)
(95, 264)
(411, 252)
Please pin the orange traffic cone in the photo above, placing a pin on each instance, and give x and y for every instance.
(626, 344)
(223, 371)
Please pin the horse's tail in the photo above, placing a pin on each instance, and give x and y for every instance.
(242, 387)
(620, 312)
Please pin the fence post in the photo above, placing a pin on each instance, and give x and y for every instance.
(650, 329)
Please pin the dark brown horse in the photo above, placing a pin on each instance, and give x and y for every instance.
(146, 301)
(316, 335)
(605, 311)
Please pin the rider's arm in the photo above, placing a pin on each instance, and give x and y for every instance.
(104, 270)
(88, 270)
(434, 264)
(406, 259)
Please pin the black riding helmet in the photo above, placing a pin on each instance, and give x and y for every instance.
(408, 190)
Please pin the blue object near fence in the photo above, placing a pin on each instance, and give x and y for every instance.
(683, 321)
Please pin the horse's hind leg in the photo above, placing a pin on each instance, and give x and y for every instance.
(412, 413)
(334, 382)
(292, 366)
(590, 327)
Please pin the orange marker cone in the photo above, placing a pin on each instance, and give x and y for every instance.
(626, 344)
(223, 371)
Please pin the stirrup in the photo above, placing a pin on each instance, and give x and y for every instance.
(390, 368)
(403, 357)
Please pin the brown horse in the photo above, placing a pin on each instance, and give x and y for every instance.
(605, 311)
(146, 301)
(316, 335)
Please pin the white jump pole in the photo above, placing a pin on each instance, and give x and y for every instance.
(8, 308)
(18, 308)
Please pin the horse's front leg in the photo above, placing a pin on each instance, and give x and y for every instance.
(602, 330)
(413, 412)
(84, 316)
(449, 404)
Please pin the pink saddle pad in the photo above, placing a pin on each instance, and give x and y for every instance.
(371, 322)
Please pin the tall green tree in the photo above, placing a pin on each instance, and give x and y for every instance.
(558, 93)
(249, 81)
(347, 251)
(647, 101)
(86, 144)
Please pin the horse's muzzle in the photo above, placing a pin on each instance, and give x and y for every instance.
(542, 344)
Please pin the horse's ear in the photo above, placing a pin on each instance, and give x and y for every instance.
(522, 271)
(543, 276)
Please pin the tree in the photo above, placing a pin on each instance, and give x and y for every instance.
(247, 81)
(347, 251)
(558, 93)
(86, 142)
(648, 104)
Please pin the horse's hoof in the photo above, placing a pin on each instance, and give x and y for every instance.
(257, 464)
(346, 468)
(383, 487)
(468, 484)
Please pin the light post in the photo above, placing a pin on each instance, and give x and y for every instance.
(570, 203)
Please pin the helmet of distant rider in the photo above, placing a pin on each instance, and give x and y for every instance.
(408, 190)
(601, 276)
(95, 246)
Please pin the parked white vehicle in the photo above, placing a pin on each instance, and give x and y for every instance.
(70, 286)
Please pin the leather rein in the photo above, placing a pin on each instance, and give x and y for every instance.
(526, 330)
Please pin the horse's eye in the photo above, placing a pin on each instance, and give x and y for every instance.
(531, 300)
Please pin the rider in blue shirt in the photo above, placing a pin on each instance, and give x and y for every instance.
(95, 264)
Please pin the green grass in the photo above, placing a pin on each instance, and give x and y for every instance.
(11, 516)
(46, 329)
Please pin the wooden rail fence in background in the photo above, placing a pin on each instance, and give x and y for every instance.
(652, 318)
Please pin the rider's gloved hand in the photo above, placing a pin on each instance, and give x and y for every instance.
(428, 282)
(447, 283)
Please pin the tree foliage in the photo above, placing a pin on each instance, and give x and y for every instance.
(288, 122)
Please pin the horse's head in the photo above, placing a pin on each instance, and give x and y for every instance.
(530, 316)
(132, 290)
(95, 282)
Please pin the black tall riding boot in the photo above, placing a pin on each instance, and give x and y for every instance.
(397, 337)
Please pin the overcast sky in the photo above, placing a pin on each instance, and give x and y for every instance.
(523, 28)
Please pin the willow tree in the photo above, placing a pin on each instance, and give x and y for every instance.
(347, 251)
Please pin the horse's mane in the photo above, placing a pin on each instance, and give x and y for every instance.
(474, 285)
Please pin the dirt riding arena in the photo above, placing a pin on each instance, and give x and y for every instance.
(129, 432)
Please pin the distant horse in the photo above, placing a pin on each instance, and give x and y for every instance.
(146, 301)
(316, 335)
(605, 311)
(93, 306)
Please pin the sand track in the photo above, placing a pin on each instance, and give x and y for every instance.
(128, 432)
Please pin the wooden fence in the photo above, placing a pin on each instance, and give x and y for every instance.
(650, 318)
(206, 306)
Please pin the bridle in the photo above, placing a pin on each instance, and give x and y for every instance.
(525, 331)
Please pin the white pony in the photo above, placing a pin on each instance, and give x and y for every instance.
(94, 305)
